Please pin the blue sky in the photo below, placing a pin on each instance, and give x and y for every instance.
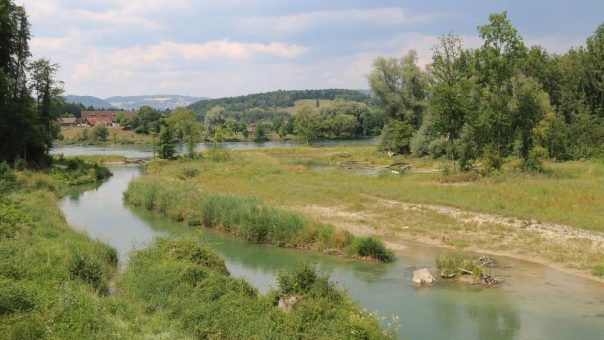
(232, 47)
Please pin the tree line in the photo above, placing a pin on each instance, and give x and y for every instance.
(272, 100)
(502, 99)
(30, 96)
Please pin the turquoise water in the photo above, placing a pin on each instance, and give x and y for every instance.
(535, 302)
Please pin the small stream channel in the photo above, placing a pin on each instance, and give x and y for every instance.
(535, 302)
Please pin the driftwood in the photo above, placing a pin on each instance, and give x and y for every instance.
(465, 271)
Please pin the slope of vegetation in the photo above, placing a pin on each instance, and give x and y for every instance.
(58, 283)
(54, 281)
(186, 282)
(247, 217)
(275, 99)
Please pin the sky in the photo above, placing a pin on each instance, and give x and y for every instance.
(214, 48)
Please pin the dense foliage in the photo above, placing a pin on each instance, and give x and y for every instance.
(502, 99)
(30, 96)
(275, 99)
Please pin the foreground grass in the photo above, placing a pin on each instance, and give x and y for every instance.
(297, 179)
(249, 218)
(56, 283)
(188, 284)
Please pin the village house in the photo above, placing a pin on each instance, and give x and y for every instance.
(91, 118)
(68, 121)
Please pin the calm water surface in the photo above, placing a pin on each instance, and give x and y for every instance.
(146, 151)
(536, 302)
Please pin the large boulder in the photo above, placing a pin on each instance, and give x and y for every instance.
(423, 276)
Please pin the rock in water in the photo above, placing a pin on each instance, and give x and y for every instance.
(422, 276)
(287, 302)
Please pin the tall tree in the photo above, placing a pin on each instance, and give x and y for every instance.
(528, 105)
(307, 125)
(26, 129)
(496, 62)
(166, 141)
(400, 86)
(454, 98)
(48, 93)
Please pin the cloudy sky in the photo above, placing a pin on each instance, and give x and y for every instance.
(230, 47)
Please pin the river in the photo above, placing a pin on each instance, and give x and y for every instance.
(535, 302)
(146, 150)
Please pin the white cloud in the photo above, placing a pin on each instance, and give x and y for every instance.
(299, 22)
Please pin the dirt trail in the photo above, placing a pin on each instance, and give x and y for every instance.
(548, 230)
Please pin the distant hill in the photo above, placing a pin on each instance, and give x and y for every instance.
(160, 102)
(275, 99)
(88, 101)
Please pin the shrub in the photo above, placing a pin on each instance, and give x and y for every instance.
(88, 269)
(16, 296)
(371, 247)
(598, 270)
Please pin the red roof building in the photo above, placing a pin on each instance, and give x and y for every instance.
(94, 120)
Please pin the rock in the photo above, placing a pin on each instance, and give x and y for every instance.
(422, 276)
(287, 302)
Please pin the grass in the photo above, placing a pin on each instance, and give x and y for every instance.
(312, 103)
(457, 264)
(57, 283)
(247, 217)
(99, 159)
(570, 193)
(186, 282)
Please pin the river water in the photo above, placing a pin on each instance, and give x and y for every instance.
(146, 151)
(535, 302)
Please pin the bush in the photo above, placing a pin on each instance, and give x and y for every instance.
(371, 247)
(88, 269)
(16, 296)
(598, 270)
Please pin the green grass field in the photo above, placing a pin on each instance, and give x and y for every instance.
(300, 179)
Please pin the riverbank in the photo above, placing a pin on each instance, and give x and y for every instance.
(59, 283)
(248, 218)
(552, 217)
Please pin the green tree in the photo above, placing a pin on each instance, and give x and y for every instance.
(261, 132)
(496, 62)
(552, 134)
(454, 98)
(214, 118)
(166, 141)
(400, 87)
(100, 132)
(396, 137)
(307, 125)
(528, 105)
(146, 120)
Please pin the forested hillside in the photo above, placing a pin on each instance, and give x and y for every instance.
(275, 99)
